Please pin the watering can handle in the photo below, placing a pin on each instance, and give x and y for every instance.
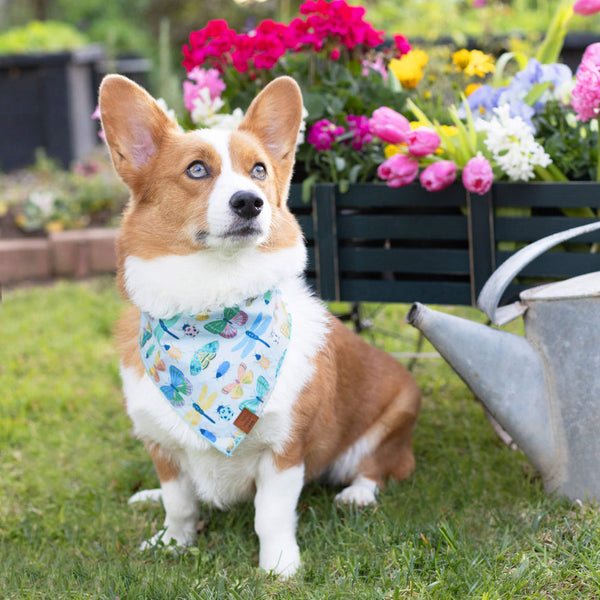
(494, 287)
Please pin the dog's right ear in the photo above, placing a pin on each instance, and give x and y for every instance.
(134, 126)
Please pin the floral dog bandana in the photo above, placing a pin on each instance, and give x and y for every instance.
(218, 369)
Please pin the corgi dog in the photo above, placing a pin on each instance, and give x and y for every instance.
(280, 392)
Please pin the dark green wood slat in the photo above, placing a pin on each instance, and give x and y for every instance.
(306, 223)
(529, 229)
(295, 197)
(482, 246)
(409, 227)
(369, 195)
(326, 243)
(557, 264)
(571, 194)
(310, 259)
(434, 292)
(405, 260)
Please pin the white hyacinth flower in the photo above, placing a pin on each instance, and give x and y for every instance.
(205, 108)
(512, 144)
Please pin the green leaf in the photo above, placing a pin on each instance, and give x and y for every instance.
(340, 163)
(536, 92)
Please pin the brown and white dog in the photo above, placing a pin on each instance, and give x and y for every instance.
(207, 227)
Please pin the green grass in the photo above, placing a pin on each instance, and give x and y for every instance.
(473, 521)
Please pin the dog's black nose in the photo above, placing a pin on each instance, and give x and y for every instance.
(246, 204)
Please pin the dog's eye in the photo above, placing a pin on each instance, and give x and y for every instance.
(197, 170)
(259, 171)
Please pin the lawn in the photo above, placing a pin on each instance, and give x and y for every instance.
(472, 522)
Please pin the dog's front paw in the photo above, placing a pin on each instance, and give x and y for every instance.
(281, 561)
(169, 540)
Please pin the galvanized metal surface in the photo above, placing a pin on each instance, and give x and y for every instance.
(544, 388)
(566, 334)
(503, 370)
(494, 287)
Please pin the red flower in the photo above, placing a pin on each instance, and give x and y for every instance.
(331, 25)
(402, 45)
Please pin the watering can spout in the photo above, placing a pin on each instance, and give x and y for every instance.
(503, 370)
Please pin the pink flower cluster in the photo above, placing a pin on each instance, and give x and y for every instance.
(361, 133)
(403, 168)
(585, 98)
(203, 78)
(323, 134)
(325, 25)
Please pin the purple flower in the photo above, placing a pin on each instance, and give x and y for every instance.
(477, 175)
(359, 127)
(323, 134)
(438, 175)
(483, 100)
(535, 73)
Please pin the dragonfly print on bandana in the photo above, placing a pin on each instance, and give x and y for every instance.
(253, 335)
(156, 334)
(218, 369)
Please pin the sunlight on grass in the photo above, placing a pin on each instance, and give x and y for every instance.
(473, 522)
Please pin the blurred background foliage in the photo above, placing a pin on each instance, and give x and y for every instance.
(156, 29)
(132, 26)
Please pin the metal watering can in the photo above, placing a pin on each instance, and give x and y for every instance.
(544, 388)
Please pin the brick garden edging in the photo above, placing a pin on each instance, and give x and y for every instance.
(78, 253)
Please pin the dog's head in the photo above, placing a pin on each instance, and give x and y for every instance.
(212, 193)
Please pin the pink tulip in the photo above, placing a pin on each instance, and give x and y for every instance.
(438, 175)
(389, 125)
(586, 7)
(477, 175)
(398, 170)
(422, 141)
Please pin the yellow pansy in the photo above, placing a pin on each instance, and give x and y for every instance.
(474, 62)
(409, 68)
(461, 58)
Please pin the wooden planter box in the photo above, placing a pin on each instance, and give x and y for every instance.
(47, 102)
(378, 244)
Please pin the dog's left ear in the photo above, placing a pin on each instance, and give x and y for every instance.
(274, 117)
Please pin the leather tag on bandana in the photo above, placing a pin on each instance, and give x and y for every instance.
(246, 420)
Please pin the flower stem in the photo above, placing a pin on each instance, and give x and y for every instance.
(334, 177)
